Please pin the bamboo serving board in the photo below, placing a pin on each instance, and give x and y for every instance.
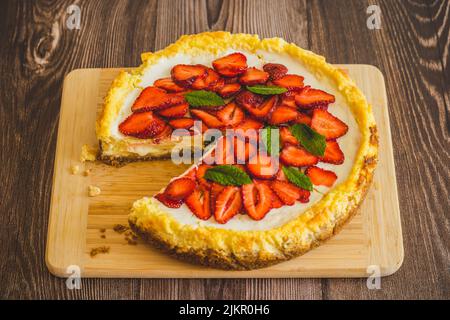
(79, 223)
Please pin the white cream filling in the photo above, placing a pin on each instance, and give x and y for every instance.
(276, 217)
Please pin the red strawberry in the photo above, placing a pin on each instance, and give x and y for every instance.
(321, 177)
(280, 175)
(215, 190)
(297, 157)
(283, 114)
(199, 203)
(152, 98)
(264, 167)
(288, 193)
(249, 127)
(249, 100)
(182, 123)
(333, 153)
(230, 115)
(180, 188)
(328, 125)
(286, 137)
(308, 98)
(244, 150)
(228, 204)
(290, 81)
(208, 82)
(257, 199)
(168, 85)
(263, 110)
(288, 99)
(303, 118)
(231, 80)
(276, 201)
(275, 70)
(185, 75)
(223, 152)
(229, 89)
(231, 65)
(201, 170)
(210, 120)
(163, 135)
(161, 197)
(176, 111)
(254, 76)
(191, 174)
(142, 125)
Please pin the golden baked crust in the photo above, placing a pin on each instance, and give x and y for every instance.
(233, 249)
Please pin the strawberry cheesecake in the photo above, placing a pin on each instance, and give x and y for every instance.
(294, 150)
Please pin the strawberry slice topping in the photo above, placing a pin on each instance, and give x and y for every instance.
(263, 167)
(288, 99)
(283, 114)
(142, 125)
(180, 188)
(249, 100)
(254, 76)
(168, 85)
(229, 90)
(230, 115)
(210, 120)
(249, 127)
(263, 110)
(185, 75)
(308, 98)
(321, 177)
(215, 190)
(199, 203)
(297, 157)
(209, 82)
(201, 170)
(176, 111)
(182, 123)
(333, 153)
(152, 98)
(257, 199)
(303, 118)
(161, 197)
(231, 65)
(228, 204)
(276, 201)
(328, 125)
(288, 193)
(287, 138)
(291, 82)
(275, 70)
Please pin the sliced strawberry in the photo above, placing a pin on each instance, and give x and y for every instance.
(231, 80)
(290, 81)
(283, 114)
(224, 151)
(303, 118)
(161, 197)
(210, 120)
(215, 190)
(321, 177)
(208, 82)
(288, 193)
(288, 99)
(333, 153)
(199, 203)
(249, 128)
(264, 109)
(280, 175)
(308, 98)
(275, 70)
(201, 170)
(286, 137)
(182, 123)
(230, 115)
(142, 125)
(163, 135)
(228, 204)
(229, 90)
(263, 167)
(254, 76)
(244, 150)
(276, 201)
(185, 75)
(249, 100)
(180, 188)
(168, 85)
(152, 98)
(328, 125)
(257, 199)
(231, 65)
(191, 174)
(176, 111)
(297, 157)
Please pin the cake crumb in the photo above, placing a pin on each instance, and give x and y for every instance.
(120, 228)
(96, 251)
(88, 153)
(103, 236)
(94, 191)
(102, 230)
(74, 169)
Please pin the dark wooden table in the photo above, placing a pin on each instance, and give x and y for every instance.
(37, 50)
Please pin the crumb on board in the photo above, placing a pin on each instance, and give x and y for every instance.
(131, 238)
(94, 191)
(120, 228)
(88, 153)
(102, 230)
(74, 169)
(96, 251)
(103, 236)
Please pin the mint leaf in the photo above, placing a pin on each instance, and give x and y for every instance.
(203, 98)
(267, 134)
(227, 175)
(312, 141)
(298, 178)
(266, 90)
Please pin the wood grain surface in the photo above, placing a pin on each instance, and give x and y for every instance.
(38, 50)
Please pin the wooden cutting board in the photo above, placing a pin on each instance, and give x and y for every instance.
(79, 223)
